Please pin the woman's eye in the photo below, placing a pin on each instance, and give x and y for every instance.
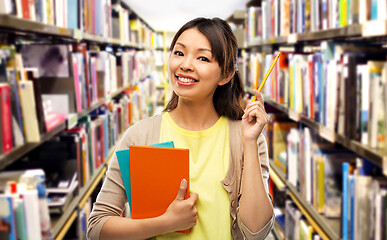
(178, 53)
(204, 59)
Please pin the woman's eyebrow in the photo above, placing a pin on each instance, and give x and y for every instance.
(200, 49)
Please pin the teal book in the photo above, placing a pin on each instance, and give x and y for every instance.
(124, 163)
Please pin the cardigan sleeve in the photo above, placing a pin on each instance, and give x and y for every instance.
(264, 160)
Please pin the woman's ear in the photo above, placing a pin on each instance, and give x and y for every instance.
(226, 79)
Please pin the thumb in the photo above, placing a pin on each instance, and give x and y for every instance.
(183, 187)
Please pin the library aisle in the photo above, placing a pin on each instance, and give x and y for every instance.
(75, 74)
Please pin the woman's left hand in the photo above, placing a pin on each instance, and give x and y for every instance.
(254, 119)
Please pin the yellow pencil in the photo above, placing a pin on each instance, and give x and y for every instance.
(267, 74)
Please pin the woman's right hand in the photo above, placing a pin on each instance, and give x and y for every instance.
(182, 213)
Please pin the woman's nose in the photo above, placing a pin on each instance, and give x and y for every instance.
(186, 65)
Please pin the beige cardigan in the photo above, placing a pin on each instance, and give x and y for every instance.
(111, 199)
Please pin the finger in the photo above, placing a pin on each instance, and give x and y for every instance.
(193, 197)
(249, 111)
(258, 95)
(182, 189)
(258, 114)
(255, 103)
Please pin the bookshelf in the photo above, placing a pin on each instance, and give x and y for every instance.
(308, 33)
(351, 31)
(20, 26)
(126, 103)
(18, 152)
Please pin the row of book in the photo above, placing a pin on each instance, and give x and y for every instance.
(43, 85)
(78, 153)
(342, 87)
(100, 17)
(335, 181)
(275, 18)
(24, 208)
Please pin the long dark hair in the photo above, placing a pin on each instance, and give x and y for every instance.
(227, 98)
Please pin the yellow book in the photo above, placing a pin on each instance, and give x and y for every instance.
(320, 183)
(27, 104)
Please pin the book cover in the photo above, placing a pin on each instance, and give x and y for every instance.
(33, 76)
(82, 48)
(156, 171)
(51, 60)
(376, 127)
(17, 123)
(123, 159)
(56, 87)
(362, 208)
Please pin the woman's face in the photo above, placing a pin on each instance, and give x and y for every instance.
(193, 71)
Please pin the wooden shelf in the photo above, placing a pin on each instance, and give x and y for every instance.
(23, 26)
(335, 33)
(277, 176)
(18, 152)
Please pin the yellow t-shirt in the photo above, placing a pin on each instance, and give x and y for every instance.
(209, 152)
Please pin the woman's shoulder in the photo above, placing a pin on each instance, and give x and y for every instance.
(147, 122)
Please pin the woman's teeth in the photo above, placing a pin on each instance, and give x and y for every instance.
(186, 80)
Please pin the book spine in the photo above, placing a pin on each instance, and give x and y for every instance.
(31, 209)
(6, 129)
(345, 199)
(27, 102)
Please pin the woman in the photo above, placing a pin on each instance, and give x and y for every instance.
(205, 116)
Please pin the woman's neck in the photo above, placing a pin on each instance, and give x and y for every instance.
(194, 116)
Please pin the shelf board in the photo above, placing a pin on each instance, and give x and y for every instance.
(277, 176)
(278, 171)
(335, 33)
(378, 156)
(20, 24)
(18, 152)
(328, 229)
(104, 40)
(23, 26)
(89, 110)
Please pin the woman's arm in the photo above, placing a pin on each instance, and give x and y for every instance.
(255, 208)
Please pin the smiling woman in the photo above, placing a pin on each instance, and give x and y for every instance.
(228, 162)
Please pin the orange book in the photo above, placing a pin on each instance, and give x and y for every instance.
(155, 176)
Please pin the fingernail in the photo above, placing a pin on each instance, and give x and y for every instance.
(183, 182)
